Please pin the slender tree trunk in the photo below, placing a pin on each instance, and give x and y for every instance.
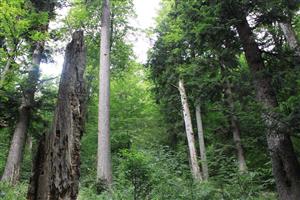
(56, 169)
(189, 133)
(104, 167)
(236, 130)
(201, 143)
(286, 168)
(290, 37)
(12, 168)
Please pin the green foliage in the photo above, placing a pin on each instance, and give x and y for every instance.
(134, 168)
(18, 192)
(15, 20)
(168, 174)
(196, 41)
(87, 17)
(4, 145)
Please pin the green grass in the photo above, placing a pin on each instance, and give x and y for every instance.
(8, 192)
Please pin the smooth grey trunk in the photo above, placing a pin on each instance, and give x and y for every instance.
(286, 168)
(201, 143)
(12, 168)
(290, 36)
(189, 133)
(236, 131)
(104, 166)
(56, 169)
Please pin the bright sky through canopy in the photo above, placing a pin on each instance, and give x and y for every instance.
(146, 11)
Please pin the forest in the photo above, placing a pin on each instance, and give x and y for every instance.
(212, 114)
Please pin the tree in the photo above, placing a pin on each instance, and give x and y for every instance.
(235, 129)
(224, 17)
(282, 12)
(234, 121)
(201, 143)
(189, 133)
(13, 164)
(56, 168)
(104, 169)
(12, 33)
(290, 36)
(286, 168)
(191, 41)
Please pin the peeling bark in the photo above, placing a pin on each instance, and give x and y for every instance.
(56, 169)
(189, 133)
(286, 168)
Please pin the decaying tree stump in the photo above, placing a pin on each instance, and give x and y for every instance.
(57, 165)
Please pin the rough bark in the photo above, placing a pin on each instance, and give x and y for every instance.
(189, 133)
(235, 129)
(286, 168)
(290, 37)
(201, 143)
(56, 169)
(104, 167)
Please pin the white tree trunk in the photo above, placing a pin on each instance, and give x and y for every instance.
(104, 168)
(290, 36)
(189, 133)
(201, 143)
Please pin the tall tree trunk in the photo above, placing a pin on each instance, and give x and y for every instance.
(104, 166)
(201, 143)
(12, 168)
(236, 130)
(286, 168)
(189, 133)
(290, 37)
(56, 169)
